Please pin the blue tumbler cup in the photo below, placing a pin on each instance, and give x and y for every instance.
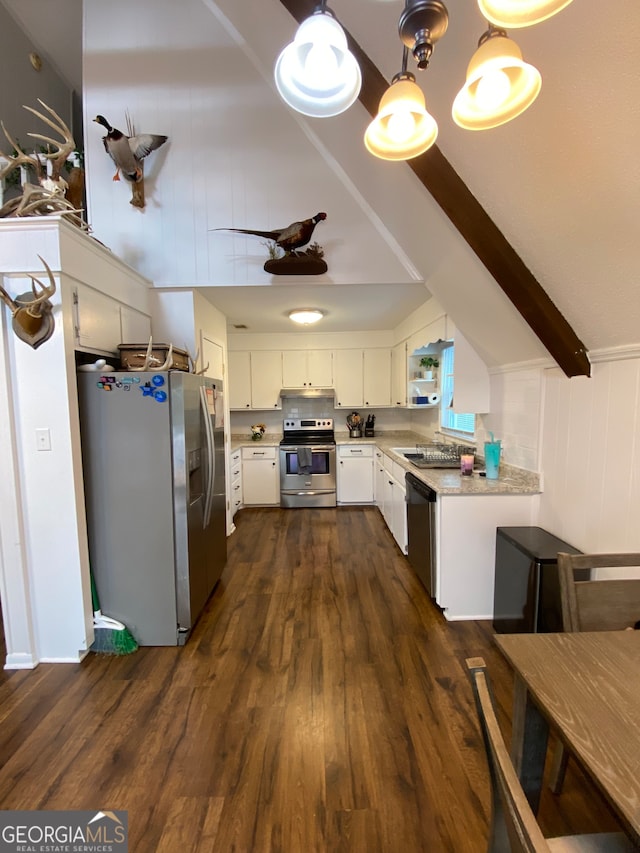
(492, 459)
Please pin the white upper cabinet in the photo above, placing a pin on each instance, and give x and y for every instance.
(266, 379)
(348, 367)
(135, 327)
(255, 379)
(399, 375)
(376, 382)
(239, 390)
(97, 321)
(307, 369)
(362, 377)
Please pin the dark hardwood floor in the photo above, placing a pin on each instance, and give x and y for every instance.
(321, 704)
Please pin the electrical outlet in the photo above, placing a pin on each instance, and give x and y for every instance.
(43, 439)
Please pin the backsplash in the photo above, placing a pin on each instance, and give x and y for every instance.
(515, 419)
(322, 407)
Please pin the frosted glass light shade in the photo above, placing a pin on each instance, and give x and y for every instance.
(512, 14)
(306, 316)
(403, 128)
(316, 74)
(499, 86)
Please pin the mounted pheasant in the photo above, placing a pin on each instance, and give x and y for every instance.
(290, 239)
(128, 153)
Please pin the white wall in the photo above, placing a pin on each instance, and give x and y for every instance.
(22, 84)
(591, 457)
(582, 435)
(516, 405)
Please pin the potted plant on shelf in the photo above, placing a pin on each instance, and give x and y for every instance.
(429, 362)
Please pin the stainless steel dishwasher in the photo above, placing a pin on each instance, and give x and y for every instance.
(421, 531)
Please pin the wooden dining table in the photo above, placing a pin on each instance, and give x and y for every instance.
(586, 688)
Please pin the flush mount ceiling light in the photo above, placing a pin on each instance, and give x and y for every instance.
(512, 14)
(306, 316)
(316, 74)
(499, 85)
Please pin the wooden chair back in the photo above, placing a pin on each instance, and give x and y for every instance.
(514, 828)
(606, 604)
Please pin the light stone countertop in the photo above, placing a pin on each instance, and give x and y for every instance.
(445, 481)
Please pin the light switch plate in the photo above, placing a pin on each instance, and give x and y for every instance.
(43, 439)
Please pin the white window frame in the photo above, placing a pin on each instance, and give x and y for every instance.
(459, 424)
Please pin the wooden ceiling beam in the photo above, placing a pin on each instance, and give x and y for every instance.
(476, 227)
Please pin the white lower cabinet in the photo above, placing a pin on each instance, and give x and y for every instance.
(235, 481)
(394, 507)
(260, 476)
(355, 474)
(466, 548)
(378, 479)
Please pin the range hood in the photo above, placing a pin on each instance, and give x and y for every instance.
(308, 392)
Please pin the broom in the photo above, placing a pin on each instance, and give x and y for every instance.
(111, 636)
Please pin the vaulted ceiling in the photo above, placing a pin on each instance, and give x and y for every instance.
(560, 182)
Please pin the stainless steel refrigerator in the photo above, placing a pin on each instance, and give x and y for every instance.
(154, 475)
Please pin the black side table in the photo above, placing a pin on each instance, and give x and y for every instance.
(526, 595)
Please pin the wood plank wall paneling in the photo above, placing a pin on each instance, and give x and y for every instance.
(321, 704)
(475, 226)
(591, 457)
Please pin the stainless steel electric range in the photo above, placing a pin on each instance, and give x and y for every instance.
(308, 463)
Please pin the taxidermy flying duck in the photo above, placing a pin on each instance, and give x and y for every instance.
(292, 237)
(128, 152)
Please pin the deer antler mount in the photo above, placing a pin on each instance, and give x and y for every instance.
(48, 194)
(32, 319)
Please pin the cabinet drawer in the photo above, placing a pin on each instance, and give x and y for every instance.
(236, 456)
(357, 451)
(258, 453)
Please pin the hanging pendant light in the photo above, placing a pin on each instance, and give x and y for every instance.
(499, 85)
(402, 128)
(512, 14)
(316, 74)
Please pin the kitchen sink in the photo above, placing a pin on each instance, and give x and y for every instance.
(431, 456)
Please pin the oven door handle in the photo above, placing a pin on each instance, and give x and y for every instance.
(325, 448)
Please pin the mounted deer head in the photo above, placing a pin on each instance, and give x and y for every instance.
(32, 312)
